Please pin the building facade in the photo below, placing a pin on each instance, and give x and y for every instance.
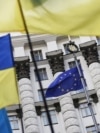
(70, 112)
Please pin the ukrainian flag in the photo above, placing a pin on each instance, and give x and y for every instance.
(67, 17)
(8, 83)
(5, 126)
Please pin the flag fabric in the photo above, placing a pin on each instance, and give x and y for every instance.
(67, 81)
(67, 17)
(8, 83)
(4, 122)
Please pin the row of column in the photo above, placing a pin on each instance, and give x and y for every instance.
(56, 62)
(27, 98)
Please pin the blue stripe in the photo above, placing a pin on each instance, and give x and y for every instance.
(6, 55)
(4, 122)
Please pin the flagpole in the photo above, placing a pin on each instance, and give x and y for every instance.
(35, 64)
(86, 94)
(83, 83)
(21, 118)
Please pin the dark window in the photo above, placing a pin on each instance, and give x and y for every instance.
(52, 115)
(85, 111)
(38, 55)
(40, 94)
(91, 129)
(65, 47)
(73, 64)
(42, 74)
(14, 122)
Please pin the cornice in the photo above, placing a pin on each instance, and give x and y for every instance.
(21, 40)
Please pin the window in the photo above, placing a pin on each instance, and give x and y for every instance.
(40, 94)
(38, 55)
(92, 129)
(42, 74)
(65, 47)
(85, 110)
(14, 122)
(52, 115)
(73, 64)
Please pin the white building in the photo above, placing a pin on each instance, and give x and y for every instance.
(69, 113)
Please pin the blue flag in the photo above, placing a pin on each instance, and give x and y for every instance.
(67, 81)
(4, 122)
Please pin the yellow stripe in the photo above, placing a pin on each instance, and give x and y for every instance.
(10, 17)
(73, 17)
(8, 88)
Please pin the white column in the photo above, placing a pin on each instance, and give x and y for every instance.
(28, 107)
(69, 112)
(26, 95)
(90, 53)
(95, 73)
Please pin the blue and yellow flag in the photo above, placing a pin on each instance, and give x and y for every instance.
(8, 83)
(67, 17)
(4, 122)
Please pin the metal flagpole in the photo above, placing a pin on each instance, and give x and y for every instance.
(71, 48)
(20, 113)
(86, 94)
(36, 68)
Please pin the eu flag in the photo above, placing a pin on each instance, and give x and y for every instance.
(67, 81)
(4, 122)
